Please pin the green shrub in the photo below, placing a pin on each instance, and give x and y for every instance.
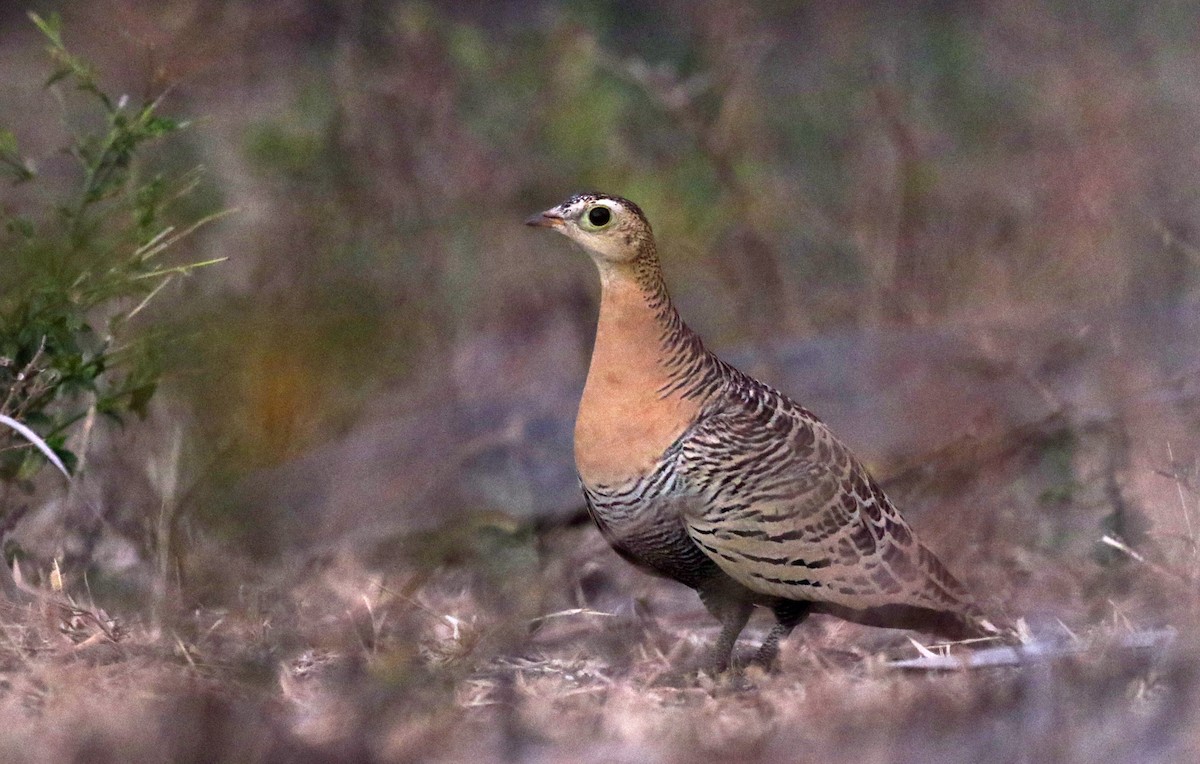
(78, 263)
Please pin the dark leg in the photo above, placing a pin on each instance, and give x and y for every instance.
(788, 615)
(733, 613)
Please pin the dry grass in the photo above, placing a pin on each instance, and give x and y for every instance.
(342, 662)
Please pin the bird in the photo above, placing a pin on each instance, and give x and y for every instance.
(695, 471)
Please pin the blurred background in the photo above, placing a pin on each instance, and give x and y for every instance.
(964, 234)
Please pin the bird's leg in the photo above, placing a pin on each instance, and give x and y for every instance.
(788, 615)
(733, 613)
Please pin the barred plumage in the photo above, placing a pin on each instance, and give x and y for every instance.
(697, 472)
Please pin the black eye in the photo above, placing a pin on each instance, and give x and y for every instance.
(599, 216)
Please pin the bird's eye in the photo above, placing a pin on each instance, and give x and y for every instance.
(599, 216)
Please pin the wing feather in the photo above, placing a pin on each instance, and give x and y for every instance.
(786, 510)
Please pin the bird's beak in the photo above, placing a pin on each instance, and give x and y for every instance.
(551, 218)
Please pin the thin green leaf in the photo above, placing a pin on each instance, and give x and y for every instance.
(181, 269)
(158, 244)
(58, 75)
(50, 26)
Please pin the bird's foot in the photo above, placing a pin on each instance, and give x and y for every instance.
(730, 679)
(767, 656)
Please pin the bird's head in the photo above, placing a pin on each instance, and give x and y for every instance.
(614, 231)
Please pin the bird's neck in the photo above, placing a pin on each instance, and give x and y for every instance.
(634, 405)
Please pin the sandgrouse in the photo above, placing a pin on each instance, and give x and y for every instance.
(697, 472)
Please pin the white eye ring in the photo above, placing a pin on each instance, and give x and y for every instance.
(597, 216)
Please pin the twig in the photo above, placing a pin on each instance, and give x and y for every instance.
(993, 657)
(1133, 554)
(37, 441)
(1183, 508)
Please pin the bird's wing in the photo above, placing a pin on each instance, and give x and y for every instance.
(786, 510)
